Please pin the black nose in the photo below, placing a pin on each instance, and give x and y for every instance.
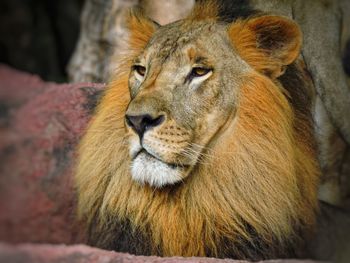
(141, 123)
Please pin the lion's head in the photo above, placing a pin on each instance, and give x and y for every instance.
(203, 139)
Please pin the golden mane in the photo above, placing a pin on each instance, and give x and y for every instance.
(268, 192)
(270, 156)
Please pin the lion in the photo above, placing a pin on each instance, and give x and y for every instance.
(203, 143)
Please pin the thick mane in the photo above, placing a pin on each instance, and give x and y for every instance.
(254, 188)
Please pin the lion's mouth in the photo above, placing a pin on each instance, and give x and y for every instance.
(146, 168)
(151, 157)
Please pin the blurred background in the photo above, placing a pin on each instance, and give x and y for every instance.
(39, 36)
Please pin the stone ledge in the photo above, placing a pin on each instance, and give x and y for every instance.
(28, 253)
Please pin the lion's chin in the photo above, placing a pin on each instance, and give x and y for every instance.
(146, 169)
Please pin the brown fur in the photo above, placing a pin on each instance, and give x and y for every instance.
(207, 10)
(258, 33)
(141, 29)
(257, 182)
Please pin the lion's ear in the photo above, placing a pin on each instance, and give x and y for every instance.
(267, 43)
(141, 29)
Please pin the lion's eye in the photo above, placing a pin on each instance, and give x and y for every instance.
(140, 71)
(199, 72)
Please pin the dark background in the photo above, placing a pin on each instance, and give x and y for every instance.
(39, 36)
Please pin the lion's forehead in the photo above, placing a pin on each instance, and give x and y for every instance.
(174, 37)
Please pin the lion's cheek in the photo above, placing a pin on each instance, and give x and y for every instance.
(208, 126)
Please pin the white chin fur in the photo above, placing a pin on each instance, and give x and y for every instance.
(147, 169)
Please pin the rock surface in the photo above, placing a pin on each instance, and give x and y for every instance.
(81, 253)
(40, 124)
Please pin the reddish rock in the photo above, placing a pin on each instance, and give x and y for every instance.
(81, 253)
(40, 125)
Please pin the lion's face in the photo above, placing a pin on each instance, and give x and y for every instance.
(201, 100)
(183, 92)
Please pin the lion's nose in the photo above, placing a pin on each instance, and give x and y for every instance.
(141, 123)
